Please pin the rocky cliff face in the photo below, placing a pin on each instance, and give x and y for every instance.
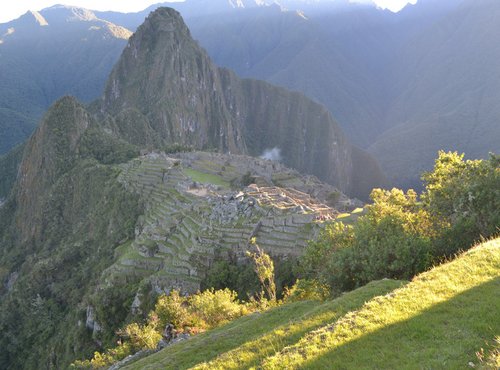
(86, 226)
(49, 153)
(165, 89)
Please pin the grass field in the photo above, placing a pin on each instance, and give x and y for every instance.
(206, 178)
(437, 321)
(247, 341)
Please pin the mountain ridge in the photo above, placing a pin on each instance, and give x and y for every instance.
(90, 223)
(41, 62)
(191, 101)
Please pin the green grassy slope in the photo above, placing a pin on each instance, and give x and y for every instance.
(439, 320)
(245, 342)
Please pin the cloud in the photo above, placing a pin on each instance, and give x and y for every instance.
(273, 154)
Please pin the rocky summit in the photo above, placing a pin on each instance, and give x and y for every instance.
(165, 89)
(146, 188)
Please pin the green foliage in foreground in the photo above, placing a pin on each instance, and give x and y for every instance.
(400, 235)
(439, 320)
(244, 342)
(445, 318)
(466, 195)
(191, 314)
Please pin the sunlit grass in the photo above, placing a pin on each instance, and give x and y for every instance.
(351, 218)
(247, 341)
(437, 321)
(206, 178)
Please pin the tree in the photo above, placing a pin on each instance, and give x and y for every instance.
(466, 195)
(264, 268)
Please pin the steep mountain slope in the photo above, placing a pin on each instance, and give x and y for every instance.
(405, 85)
(45, 55)
(293, 45)
(58, 229)
(90, 224)
(449, 100)
(440, 319)
(166, 87)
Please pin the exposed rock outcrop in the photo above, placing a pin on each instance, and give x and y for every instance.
(50, 152)
(166, 90)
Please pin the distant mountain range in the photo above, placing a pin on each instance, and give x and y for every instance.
(94, 216)
(48, 54)
(400, 85)
(84, 203)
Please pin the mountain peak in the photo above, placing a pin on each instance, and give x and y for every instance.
(164, 19)
(38, 18)
(32, 18)
(152, 49)
(69, 13)
(166, 90)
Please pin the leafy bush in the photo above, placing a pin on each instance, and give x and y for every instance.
(106, 359)
(401, 236)
(142, 336)
(264, 268)
(305, 290)
(393, 240)
(173, 309)
(215, 307)
(192, 314)
(466, 195)
(202, 310)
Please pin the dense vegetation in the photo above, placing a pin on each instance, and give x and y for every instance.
(402, 234)
(444, 318)
(38, 319)
(78, 214)
(9, 165)
(73, 55)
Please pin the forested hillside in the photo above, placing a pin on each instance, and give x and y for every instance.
(46, 55)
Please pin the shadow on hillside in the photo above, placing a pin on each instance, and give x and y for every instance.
(443, 337)
(257, 331)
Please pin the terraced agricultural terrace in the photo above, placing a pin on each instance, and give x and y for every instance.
(199, 205)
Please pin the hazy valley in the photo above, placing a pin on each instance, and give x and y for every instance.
(205, 187)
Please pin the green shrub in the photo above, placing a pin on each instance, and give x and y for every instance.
(173, 309)
(393, 240)
(400, 236)
(466, 195)
(306, 290)
(215, 307)
(142, 337)
(264, 268)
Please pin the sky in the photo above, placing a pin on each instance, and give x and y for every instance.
(10, 9)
